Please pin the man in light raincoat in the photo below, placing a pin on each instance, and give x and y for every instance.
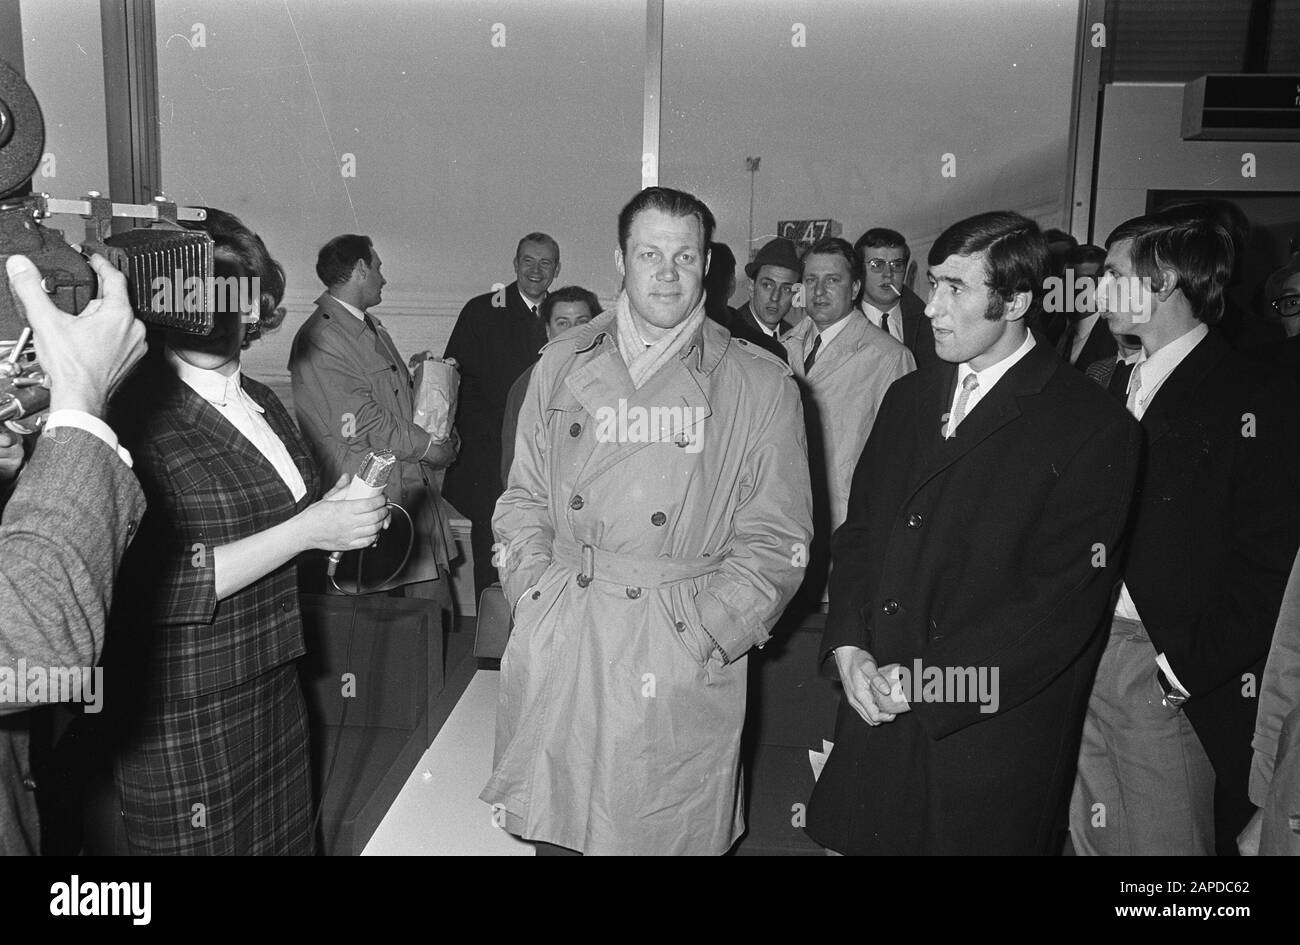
(655, 525)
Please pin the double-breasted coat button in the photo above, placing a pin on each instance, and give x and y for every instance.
(537, 595)
(658, 519)
(583, 580)
(634, 592)
(575, 503)
(29, 783)
(681, 627)
(914, 520)
(575, 429)
(890, 607)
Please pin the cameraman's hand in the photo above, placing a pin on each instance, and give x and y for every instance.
(11, 454)
(86, 355)
(342, 524)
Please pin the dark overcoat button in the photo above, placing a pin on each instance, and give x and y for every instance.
(575, 503)
(658, 519)
(681, 627)
(634, 592)
(890, 607)
(575, 429)
(537, 595)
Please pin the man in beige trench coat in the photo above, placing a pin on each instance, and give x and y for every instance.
(653, 529)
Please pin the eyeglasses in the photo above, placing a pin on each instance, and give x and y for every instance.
(879, 265)
(1287, 305)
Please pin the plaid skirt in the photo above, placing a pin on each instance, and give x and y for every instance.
(221, 774)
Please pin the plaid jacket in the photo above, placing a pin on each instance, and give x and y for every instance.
(207, 486)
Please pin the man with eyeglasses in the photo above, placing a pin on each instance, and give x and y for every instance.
(886, 301)
(774, 274)
(1282, 290)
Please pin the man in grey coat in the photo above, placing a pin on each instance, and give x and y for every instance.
(66, 525)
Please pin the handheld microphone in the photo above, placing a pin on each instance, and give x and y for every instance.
(370, 480)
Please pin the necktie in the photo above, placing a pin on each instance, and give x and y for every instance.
(1134, 385)
(534, 308)
(1067, 341)
(812, 355)
(1118, 386)
(884, 321)
(971, 382)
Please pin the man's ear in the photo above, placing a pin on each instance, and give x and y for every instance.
(618, 262)
(1168, 283)
(360, 270)
(857, 290)
(708, 258)
(1018, 307)
(556, 273)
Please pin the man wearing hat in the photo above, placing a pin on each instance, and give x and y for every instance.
(774, 273)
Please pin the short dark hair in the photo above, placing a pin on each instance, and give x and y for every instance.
(1085, 253)
(834, 246)
(1225, 213)
(338, 257)
(879, 237)
(1060, 236)
(675, 203)
(1016, 258)
(570, 293)
(238, 251)
(538, 238)
(1197, 249)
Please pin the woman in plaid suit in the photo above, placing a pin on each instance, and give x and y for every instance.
(215, 751)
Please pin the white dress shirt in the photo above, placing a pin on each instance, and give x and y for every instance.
(1151, 373)
(826, 336)
(770, 332)
(987, 377)
(228, 396)
(876, 315)
(529, 302)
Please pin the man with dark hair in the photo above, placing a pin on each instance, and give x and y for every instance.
(1165, 760)
(719, 283)
(563, 309)
(774, 275)
(1085, 337)
(353, 394)
(844, 365)
(887, 301)
(496, 336)
(972, 575)
(650, 538)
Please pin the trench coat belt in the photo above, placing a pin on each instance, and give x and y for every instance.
(596, 564)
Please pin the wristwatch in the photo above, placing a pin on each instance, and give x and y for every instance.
(1173, 695)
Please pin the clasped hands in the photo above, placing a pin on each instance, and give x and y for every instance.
(875, 692)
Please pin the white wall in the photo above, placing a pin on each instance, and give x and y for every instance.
(1142, 149)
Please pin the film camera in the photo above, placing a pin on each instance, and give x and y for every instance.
(159, 248)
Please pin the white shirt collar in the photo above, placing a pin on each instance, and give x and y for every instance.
(212, 386)
(770, 332)
(529, 303)
(869, 310)
(829, 334)
(1160, 365)
(993, 373)
(360, 315)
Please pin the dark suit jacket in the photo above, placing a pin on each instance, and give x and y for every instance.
(917, 333)
(65, 528)
(207, 486)
(493, 345)
(1100, 344)
(342, 369)
(1216, 525)
(744, 325)
(995, 549)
